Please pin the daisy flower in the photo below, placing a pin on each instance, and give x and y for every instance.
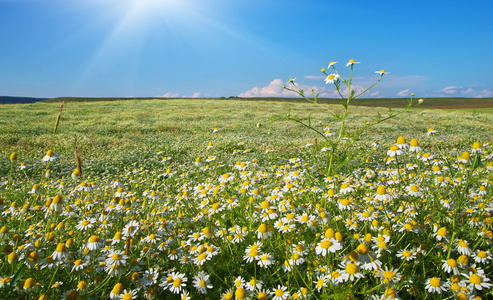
(406, 255)
(265, 260)
(414, 147)
(401, 143)
(463, 247)
(331, 78)
(388, 276)
(440, 233)
(50, 156)
(60, 253)
(382, 194)
(254, 285)
(381, 72)
(435, 285)
(130, 229)
(321, 282)
(331, 64)
(394, 151)
(350, 272)
(450, 266)
(414, 190)
(351, 62)
(280, 293)
(431, 131)
(79, 265)
(201, 282)
(94, 243)
(86, 224)
(117, 257)
(116, 292)
(178, 283)
(328, 245)
(483, 257)
(477, 281)
(150, 277)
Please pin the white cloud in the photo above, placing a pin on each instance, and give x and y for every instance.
(485, 93)
(196, 95)
(170, 95)
(403, 93)
(274, 89)
(449, 90)
(375, 94)
(471, 91)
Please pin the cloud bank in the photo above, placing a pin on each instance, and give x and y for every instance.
(459, 91)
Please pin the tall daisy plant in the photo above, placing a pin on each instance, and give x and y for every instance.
(340, 139)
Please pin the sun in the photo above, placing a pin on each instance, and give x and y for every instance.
(138, 9)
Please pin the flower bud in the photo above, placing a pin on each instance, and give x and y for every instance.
(13, 157)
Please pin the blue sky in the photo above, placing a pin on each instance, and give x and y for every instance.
(214, 48)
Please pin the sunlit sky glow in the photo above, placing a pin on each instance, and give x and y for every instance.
(214, 48)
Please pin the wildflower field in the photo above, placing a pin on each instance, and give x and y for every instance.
(208, 199)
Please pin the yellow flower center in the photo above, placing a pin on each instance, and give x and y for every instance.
(388, 274)
(177, 282)
(381, 190)
(61, 248)
(117, 289)
(279, 293)
(476, 279)
(240, 293)
(351, 269)
(442, 231)
(451, 262)
(57, 199)
(116, 256)
(29, 283)
(362, 249)
(265, 204)
(326, 244)
(435, 282)
(127, 296)
(463, 244)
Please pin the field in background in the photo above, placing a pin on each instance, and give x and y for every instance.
(184, 127)
(442, 103)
